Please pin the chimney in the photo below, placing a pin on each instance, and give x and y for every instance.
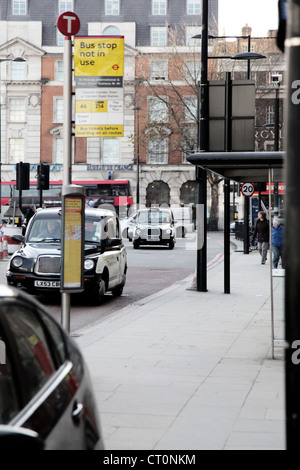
(246, 30)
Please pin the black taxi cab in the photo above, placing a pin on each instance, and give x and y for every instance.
(36, 266)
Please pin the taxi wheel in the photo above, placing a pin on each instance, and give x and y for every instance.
(98, 292)
(117, 291)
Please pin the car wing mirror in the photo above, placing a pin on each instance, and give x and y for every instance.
(110, 242)
(18, 238)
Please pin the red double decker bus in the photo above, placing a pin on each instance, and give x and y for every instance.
(116, 193)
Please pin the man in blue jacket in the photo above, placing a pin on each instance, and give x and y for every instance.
(277, 243)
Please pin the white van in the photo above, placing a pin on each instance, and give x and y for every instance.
(183, 220)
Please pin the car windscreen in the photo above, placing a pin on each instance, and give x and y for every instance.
(43, 229)
(100, 228)
(155, 217)
(49, 229)
(93, 229)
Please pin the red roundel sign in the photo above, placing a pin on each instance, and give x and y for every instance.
(247, 189)
(68, 23)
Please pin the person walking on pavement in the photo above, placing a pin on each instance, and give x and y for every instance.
(30, 212)
(277, 243)
(262, 232)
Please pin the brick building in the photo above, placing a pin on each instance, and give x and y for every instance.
(30, 28)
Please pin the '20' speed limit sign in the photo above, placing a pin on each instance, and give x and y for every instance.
(247, 189)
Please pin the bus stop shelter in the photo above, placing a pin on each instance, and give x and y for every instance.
(240, 167)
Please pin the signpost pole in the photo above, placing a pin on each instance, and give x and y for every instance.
(68, 24)
(67, 158)
(203, 146)
(247, 191)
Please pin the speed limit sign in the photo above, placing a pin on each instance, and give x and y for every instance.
(247, 189)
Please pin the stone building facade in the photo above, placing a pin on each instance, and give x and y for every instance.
(31, 29)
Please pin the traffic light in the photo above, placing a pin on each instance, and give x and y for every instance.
(22, 175)
(43, 176)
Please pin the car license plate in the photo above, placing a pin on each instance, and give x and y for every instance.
(153, 239)
(47, 284)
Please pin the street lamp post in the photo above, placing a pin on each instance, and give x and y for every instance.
(248, 56)
(203, 145)
(137, 109)
(16, 59)
(242, 55)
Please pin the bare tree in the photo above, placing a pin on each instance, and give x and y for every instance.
(175, 89)
(170, 78)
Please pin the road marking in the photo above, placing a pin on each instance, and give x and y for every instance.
(215, 261)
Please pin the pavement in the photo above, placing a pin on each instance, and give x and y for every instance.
(188, 370)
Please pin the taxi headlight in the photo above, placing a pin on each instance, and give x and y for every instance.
(17, 261)
(168, 231)
(88, 264)
(138, 231)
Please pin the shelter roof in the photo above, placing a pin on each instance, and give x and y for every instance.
(242, 166)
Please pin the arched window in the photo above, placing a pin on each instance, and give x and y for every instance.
(112, 31)
(189, 192)
(157, 193)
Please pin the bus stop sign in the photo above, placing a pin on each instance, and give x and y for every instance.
(68, 23)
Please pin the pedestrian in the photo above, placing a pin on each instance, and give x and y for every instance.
(30, 212)
(262, 232)
(277, 243)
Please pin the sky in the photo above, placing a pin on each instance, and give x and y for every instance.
(261, 15)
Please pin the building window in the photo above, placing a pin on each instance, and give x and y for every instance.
(65, 5)
(58, 150)
(159, 70)
(60, 39)
(112, 7)
(17, 70)
(16, 150)
(190, 32)
(19, 7)
(245, 48)
(193, 7)
(188, 146)
(270, 114)
(59, 70)
(158, 36)
(158, 151)
(112, 31)
(189, 192)
(157, 110)
(192, 70)
(58, 109)
(110, 151)
(190, 108)
(17, 110)
(159, 7)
